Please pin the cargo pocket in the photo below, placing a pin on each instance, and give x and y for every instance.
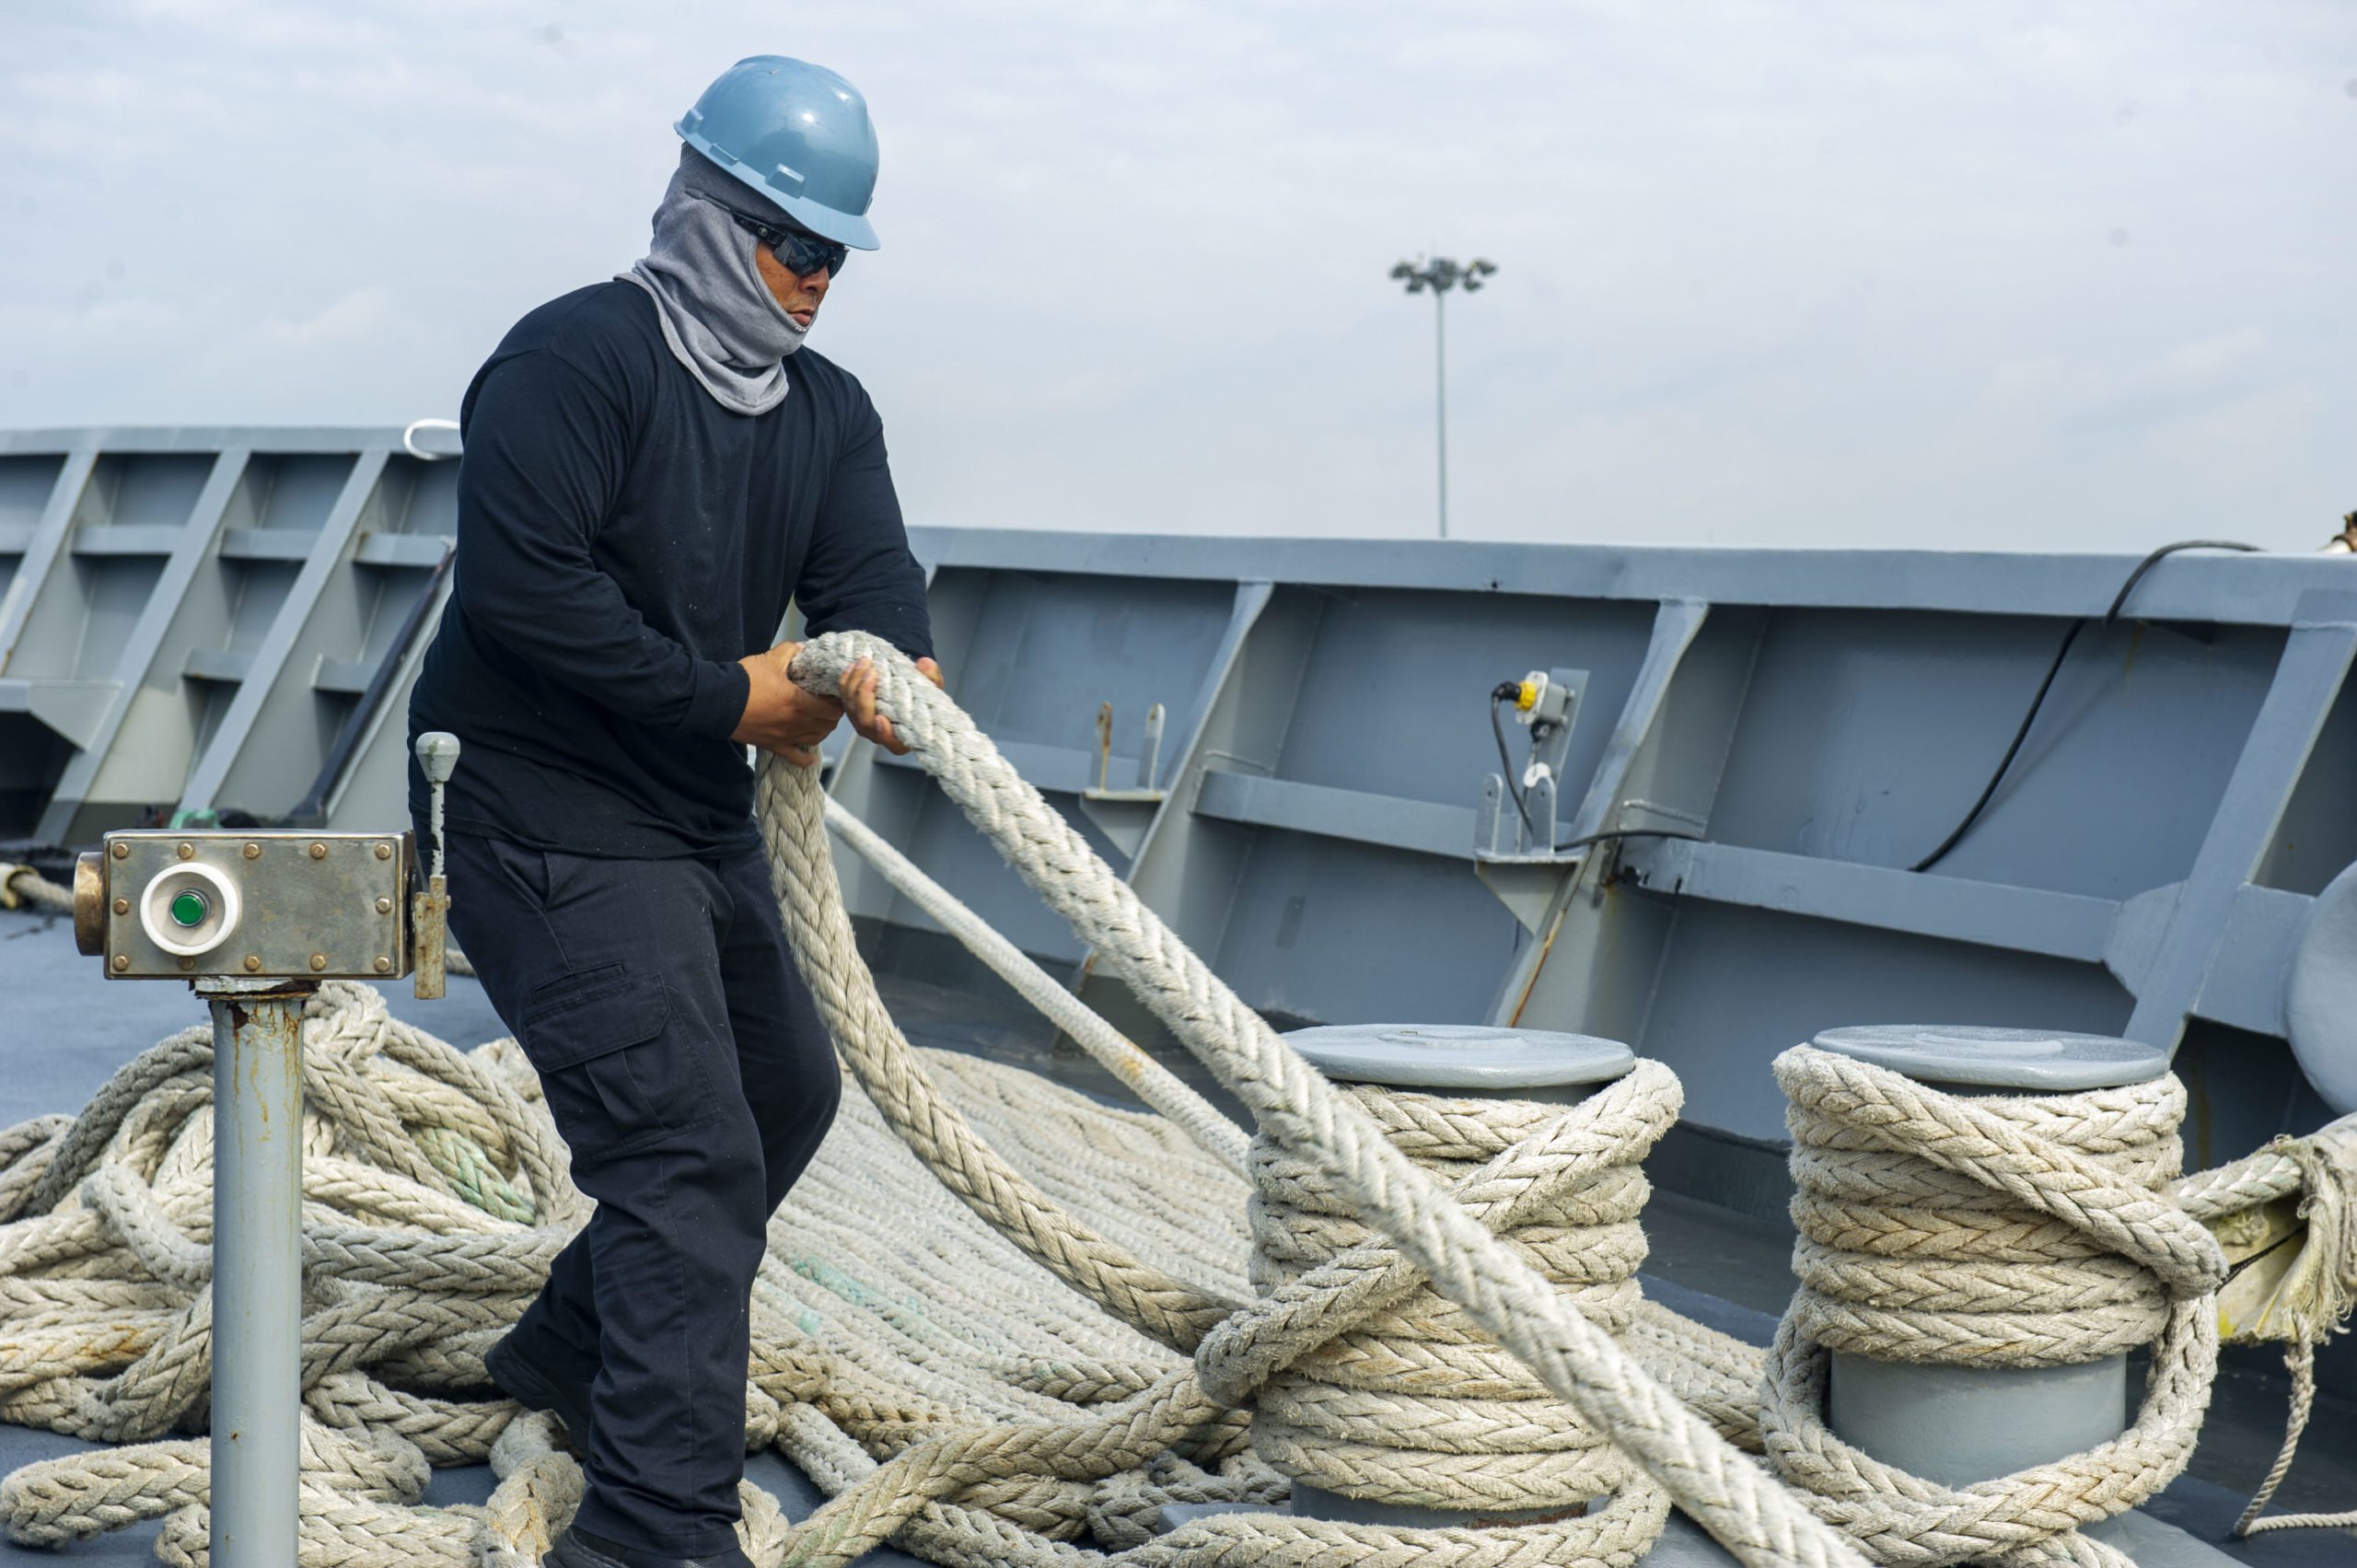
(614, 1083)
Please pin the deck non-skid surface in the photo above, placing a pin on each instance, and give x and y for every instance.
(67, 1030)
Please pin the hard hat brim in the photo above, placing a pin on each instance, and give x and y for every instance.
(843, 228)
(827, 223)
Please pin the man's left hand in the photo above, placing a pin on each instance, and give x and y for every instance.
(858, 690)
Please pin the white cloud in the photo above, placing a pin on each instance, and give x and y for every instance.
(1807, 274)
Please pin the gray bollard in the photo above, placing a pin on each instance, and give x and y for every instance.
(257, 1267)
(1470, 1062)
(1958, 1425)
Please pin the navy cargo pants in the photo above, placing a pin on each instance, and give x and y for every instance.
(690, 1077)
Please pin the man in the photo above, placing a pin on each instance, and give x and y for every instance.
(653, 465)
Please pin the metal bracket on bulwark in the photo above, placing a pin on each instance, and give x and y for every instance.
(1125, 814)
(1514, 842)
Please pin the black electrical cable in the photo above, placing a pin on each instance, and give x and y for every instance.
(2296, 1233)
(2020, 734)
(1505, 691)
(1610, 834)
(2005, 764)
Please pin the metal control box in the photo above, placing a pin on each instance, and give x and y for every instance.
(162, 905)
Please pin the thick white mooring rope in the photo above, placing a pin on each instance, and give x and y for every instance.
(2301, 1194)
(417, 1161)
(911, 1350)
(1391, 1395)
(1507, 1297)
(435, 1195)
(22, 886)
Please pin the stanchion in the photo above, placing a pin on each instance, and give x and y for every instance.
(253, 921)
(257, 1267)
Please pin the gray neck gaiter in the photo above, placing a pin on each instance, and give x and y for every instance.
(718, 317)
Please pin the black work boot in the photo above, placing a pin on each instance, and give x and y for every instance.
(538, 1386)
(578, 1549)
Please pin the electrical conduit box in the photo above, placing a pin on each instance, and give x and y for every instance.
(163, 905)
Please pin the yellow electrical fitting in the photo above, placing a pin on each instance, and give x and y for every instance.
(1525, 696)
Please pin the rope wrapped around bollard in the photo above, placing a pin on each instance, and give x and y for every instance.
(2037, 1231)
(1509, 1298)
(1366, 1383)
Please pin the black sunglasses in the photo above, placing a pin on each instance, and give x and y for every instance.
(799, 250)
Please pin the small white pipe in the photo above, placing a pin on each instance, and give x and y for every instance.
(1120, 1055)
(409, 439)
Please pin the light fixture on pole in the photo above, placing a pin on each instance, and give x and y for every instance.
(1440, 275)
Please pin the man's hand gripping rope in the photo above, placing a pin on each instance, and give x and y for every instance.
(793, 720)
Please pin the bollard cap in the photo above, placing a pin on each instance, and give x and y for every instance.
(437, 753)
(2037, 1060)
(1460, 1056)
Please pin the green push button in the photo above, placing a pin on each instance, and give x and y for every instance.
(189, 908)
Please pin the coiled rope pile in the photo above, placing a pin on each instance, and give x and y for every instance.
(419, 1165)
(434, 1196)
(908, 1354)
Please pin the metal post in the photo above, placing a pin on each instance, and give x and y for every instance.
(257, 1266)
(1440, 397)
(280, 912)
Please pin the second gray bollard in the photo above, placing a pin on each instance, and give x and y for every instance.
(1958, 1425)
(1961, 1424)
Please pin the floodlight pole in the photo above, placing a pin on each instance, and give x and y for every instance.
(1440, 400)
(1440, 274)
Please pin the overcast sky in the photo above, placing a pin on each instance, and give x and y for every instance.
(2024, 274)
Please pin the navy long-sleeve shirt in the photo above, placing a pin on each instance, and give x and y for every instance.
(623, 542)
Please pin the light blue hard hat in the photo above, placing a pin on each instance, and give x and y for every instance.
(799, 135)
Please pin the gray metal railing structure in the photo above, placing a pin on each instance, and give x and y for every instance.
(1765, 741)
(188, 618)
(1807, 723)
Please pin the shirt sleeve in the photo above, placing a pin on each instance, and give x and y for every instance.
(859, 575)
(546, 452)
